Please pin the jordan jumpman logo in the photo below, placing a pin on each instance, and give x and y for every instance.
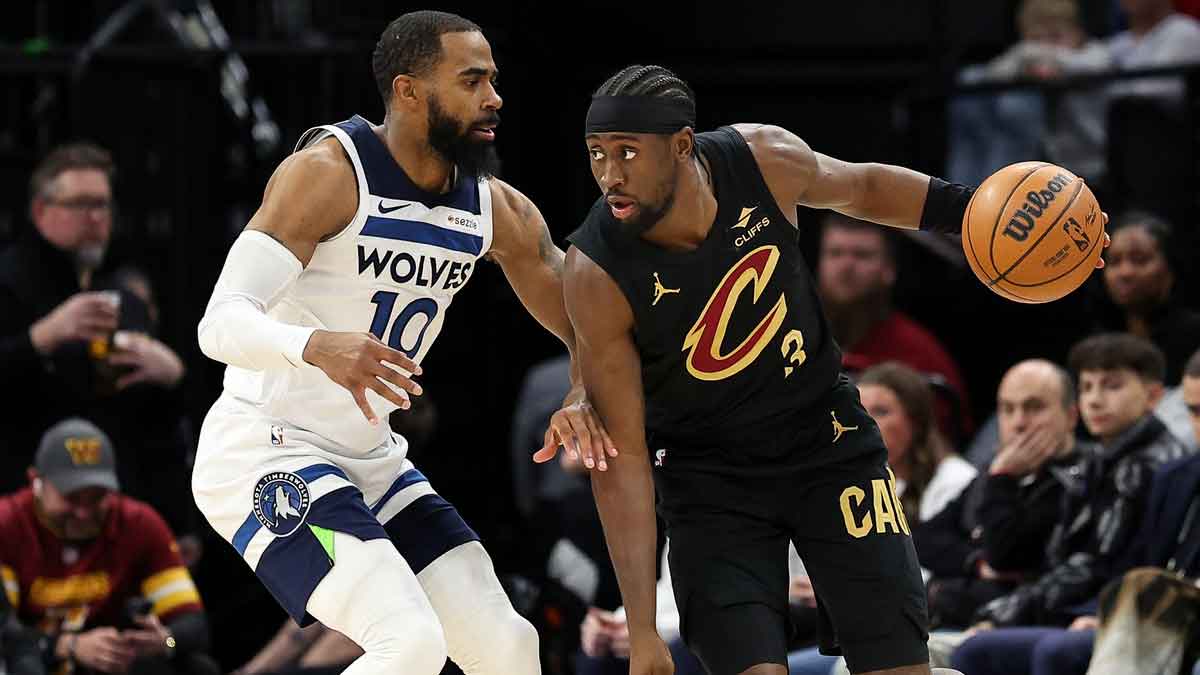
(660, 290)
(838, 429)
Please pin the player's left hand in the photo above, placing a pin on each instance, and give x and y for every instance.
(150, 360)
(150, 639)
(578, 429)
(1107, 241)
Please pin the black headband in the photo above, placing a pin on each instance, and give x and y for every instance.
(639, 115)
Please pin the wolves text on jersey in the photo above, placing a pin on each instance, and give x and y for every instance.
(421, 270)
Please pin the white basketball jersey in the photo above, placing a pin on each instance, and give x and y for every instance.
(392, 271)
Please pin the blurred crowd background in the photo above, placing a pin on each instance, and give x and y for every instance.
(136, 139)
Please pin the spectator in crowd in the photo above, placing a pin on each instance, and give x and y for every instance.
(1157, 36)
(989, 131)
(856, 274)
(929, 474)
(542, 393)
(992, 536)
(78, 349)
(1120, 379)
(19, 652)
(312, 650)
(97, 573)
(604, 635)
(1139, 276)
(1167, 542)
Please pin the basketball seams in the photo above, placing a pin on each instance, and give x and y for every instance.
(1000, 216)
(1032, 247)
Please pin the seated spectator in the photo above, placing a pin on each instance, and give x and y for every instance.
(928, 473)
(856, 275)
(991, 131)
(1139, 276)
(992, 536)
(59, 323)
(1119, 382)
(538, 484)
(1157, 36)
(604, 636)
(96, 572)
(310, 650)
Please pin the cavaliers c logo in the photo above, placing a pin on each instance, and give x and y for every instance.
(706, 359)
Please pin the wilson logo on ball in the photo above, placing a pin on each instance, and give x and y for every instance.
(1036, 202)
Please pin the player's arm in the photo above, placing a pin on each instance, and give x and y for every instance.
(624, 494)
(533, 265)
(312, 195)
(881, 193)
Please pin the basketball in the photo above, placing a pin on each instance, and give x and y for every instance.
(1033, 232)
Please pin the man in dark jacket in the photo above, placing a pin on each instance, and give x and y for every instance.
(993, 535)
(79, 346)
(1120, 379)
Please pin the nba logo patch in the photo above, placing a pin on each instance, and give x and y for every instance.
(276, 435)
(281, 502)
(660, 456)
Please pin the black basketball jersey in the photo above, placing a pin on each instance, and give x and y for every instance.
(734, 345)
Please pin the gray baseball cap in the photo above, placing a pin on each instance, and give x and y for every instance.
(76, 454)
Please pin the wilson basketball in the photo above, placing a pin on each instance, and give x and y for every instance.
(1033, 232)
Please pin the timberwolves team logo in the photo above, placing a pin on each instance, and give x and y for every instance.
(281, 502)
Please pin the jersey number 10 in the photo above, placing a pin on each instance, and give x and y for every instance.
(384, 302)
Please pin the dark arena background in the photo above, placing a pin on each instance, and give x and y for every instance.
(199, 100)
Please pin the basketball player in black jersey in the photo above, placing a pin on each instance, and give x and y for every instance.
(705, 349)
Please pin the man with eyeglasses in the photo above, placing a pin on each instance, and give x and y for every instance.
(69, 344)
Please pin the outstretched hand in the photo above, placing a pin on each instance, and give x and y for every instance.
(578, 428)
(1107, 241)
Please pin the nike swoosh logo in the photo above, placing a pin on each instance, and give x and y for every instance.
(386, 209)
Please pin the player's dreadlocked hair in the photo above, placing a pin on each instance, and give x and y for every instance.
(646, 81)
(412, 44)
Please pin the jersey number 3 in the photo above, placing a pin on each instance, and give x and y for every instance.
(384, 302)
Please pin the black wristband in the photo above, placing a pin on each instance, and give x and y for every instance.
(945, 206)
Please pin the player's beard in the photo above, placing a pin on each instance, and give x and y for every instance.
(452, 140)
(647, 215)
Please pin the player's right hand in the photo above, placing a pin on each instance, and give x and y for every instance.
(650, 656)
(358, 362)
(104, 649)
(81, 317)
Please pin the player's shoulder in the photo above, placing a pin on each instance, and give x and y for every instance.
(324, 161)
(770, 140)
(506, 199)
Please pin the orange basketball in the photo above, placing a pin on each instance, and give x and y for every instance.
(1033, 232)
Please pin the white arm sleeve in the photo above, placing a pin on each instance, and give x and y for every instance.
(235, 328)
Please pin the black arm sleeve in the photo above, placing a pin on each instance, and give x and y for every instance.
(945, 206)
(190, 631)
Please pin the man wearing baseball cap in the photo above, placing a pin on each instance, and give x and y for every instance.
(97, 573)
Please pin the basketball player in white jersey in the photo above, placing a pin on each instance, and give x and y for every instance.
(325, 307)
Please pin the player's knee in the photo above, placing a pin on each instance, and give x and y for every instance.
(516, 639)
(408, 646)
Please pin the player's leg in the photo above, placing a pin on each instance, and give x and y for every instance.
(306, 532)
(371, 597)
(484, 634)
(855, 542)
(729, 573)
